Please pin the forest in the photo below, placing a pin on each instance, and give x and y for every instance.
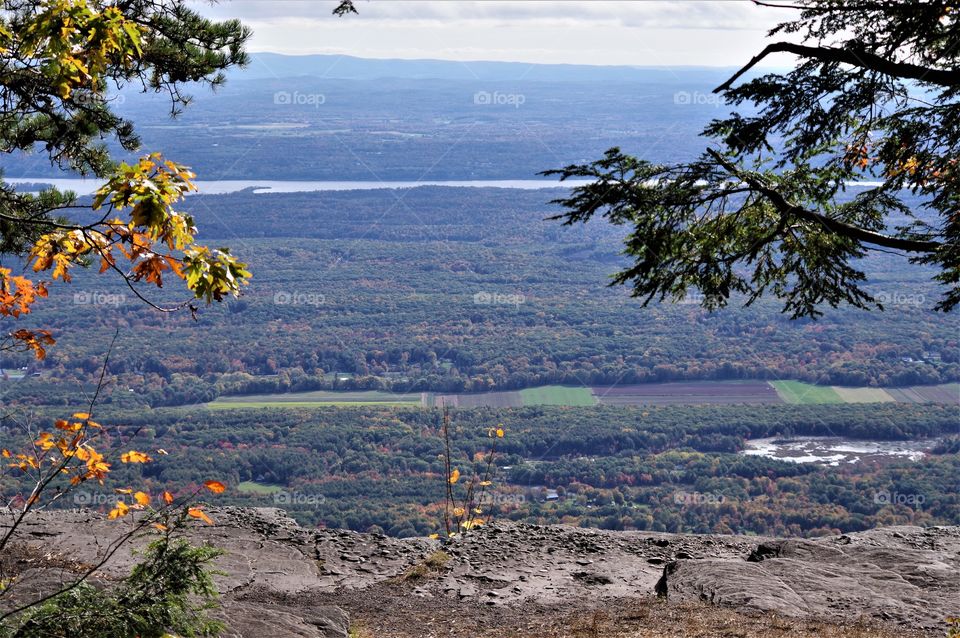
(663, 468)
(452, 290)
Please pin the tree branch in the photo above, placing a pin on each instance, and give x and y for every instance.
(834, 226)
(861, 59)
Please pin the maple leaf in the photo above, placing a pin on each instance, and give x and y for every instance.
(35, 340)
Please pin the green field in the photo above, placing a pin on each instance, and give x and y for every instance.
(252, 487)
(558, 395)
(317, 399)
(799, 392)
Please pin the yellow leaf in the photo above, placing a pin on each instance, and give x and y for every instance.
(45, 442)
(215, 486)
(123, 490)
(81, 415)
(134, 457)
(159, 526)
(434, 536)
(120, 510)
(458, 511)
(454, 476)
(142, 498)
(500, 433)
(196, 512)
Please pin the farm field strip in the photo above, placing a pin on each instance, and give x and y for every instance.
(797, 392)
(689, 393)
(652, 394)
(864, 395)
(252, 487)
(316, 399)
(475, 400)
(558, 395)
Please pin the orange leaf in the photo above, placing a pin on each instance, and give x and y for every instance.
(35, 340)
(142, 498)
(167, 498)
(196, 512)
(215, 486)
(63, 424)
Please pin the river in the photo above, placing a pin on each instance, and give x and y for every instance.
(219, 187)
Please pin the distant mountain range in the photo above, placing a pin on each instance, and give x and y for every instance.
(345, 67)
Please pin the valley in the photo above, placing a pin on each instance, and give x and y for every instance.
(384, 294)
(550, 319)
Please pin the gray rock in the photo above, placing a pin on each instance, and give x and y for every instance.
(332, 622)
(880, 574)
(281, 580)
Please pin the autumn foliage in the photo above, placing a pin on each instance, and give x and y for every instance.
(60, 61)
(464, 500)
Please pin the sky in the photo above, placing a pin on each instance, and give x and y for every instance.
(642, 32)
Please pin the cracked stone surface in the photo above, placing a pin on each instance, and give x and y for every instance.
(283, 580)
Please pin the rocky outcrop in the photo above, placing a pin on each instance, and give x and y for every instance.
(281, 580)
(905, 575)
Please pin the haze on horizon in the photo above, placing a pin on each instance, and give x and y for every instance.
(639, 33)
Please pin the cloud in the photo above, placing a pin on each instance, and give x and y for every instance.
(641, 33)
(651, 14)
